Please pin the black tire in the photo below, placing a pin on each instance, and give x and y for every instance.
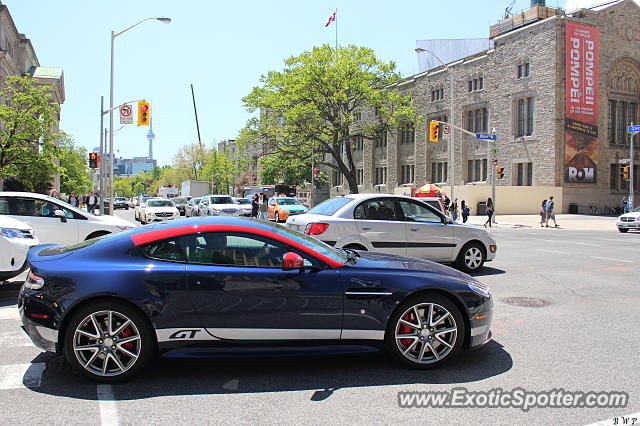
(623, 230)
(146, 340)
(397, 346)
(277, 217)
(467, 260)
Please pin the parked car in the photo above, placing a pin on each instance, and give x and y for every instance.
(16, 238)
(218, 205)
(120, 203)
(157, 209)
(181, 204)
(55, 221)
(245, 204)
(281, 208)
(192, 289)
(303, 202)
(399, 225)
(191, 208)
(140, 202)
(629, 221)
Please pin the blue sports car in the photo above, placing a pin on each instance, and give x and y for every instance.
(230, 286)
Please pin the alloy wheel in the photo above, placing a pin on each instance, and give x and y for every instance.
(107, 343)
(426, 333)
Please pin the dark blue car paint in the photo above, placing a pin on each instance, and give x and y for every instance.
(176, 295)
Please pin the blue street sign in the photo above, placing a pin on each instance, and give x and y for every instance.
(633, 129)
(488, 136)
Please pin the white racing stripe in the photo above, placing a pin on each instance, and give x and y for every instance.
(21, 376)
(9, 312)
(107, 405)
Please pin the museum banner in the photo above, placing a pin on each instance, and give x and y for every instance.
(581, 108)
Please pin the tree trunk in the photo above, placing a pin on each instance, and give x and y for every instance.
(353, 183)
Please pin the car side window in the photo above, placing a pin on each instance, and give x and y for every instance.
(376, 209)
(416, 212)
(4, 205)
(169, 249)
(237, 249)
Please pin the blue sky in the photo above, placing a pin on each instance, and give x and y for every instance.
(221, 48)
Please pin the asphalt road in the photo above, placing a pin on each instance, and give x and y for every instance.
(585, 339)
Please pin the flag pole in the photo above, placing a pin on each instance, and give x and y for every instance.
(336, 15)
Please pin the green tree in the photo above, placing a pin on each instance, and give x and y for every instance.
(27, 146)
(314, 106)
(192, 159)
(123, 187)
(74, 176)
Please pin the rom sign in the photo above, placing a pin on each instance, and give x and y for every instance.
(581, 174)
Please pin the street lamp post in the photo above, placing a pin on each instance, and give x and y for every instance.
(113, 37)
(451, 118)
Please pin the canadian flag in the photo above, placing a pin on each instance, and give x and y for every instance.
(331, 19)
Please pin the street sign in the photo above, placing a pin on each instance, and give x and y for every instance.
(486, 136)
(624, 161)
(125, 114)
(446, 129)
(494, 160)
(494, 150)
(633, 129)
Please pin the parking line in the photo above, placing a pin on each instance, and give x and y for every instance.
(18, 376)
(550, 251)
(107, 405)
(608, 258)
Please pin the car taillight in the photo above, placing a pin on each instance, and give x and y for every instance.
(316, 228)
(33, 281)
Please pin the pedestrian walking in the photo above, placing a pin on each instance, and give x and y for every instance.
(73, 200)
(447, 203)
(454, 210)
(543, 213)
(548, 208)
(489, 212)
(264, 206)
(465, 210)
(255, 206)
(91, 202)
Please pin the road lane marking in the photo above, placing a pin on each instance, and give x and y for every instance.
(10, 312)
(19, 376)
(550, 251)
(107, 405)
(609, 258)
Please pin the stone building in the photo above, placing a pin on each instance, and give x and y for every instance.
(558, 88)
(18, 57)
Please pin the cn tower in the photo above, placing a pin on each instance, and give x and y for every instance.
(151, 136)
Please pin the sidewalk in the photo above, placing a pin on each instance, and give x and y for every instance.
(575, 222)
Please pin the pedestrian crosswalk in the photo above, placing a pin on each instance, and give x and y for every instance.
(16, 345)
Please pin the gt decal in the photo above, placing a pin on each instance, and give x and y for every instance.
(184, 334)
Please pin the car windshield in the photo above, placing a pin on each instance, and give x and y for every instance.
(159, 203)
(329, 207)
(243, 201)
(179, 200)
(121, 199)
(312, 243)
(287, 202)
(195, 200)
(222, 200)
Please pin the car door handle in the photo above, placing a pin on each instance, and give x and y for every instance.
(366, 227)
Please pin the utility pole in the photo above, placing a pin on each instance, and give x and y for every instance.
(493, 177)
(103, 137)
(631, 200)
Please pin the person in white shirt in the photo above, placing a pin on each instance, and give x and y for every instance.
(91, 202)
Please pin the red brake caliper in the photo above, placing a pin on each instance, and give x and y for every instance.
(405, 329)
(127, 333)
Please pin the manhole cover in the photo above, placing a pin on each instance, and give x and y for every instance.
(529, 302)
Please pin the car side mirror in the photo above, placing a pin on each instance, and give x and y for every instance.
(292, 261)
(60, 214)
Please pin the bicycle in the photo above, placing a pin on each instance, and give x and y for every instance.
(613, 211)
(594, 209)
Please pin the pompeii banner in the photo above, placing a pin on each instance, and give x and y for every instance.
(581, 110)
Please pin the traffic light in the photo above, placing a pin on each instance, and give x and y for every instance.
(93, 160)
(144, 113)
(625, 172)
(434, 131)
(500, 171)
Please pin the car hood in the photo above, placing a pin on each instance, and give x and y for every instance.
(9, 222)
(371, 259)
(113, 221)
(634, 215)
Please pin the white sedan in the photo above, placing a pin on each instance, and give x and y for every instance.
(397, 225)
(629, 220)
(57, 222)
(157, 209)
(218, 205)
(16, 238)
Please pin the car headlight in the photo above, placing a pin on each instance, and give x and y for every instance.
(480, 289)
(12, 233)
